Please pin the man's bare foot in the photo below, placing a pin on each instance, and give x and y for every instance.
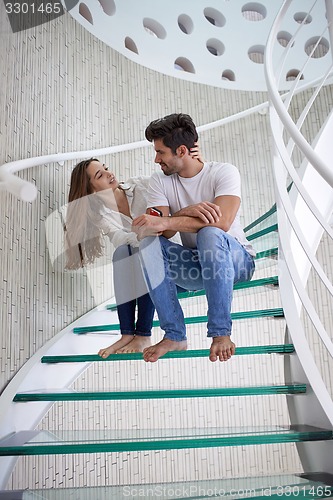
(138, 344)
(222, 348)
(113, 348)
(154, 352)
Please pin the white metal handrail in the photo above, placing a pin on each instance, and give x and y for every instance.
(293, 231)
(27, 191)
(280, 109)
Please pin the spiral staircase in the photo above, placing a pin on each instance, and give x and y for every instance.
(289, 334)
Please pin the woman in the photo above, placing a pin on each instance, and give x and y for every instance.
(100, 205)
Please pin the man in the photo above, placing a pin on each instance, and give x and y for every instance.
(203, 200)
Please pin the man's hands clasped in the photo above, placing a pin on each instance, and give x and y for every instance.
(148, 225)
(206, 211)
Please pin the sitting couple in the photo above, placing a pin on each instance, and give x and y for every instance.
(200, 201)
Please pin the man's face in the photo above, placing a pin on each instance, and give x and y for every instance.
(170, 163)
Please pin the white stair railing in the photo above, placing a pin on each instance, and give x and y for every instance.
(304, 215)
(27, 191)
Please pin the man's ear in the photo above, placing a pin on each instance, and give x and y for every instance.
(181, 150)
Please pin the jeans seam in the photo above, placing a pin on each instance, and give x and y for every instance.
(143, 334)
(171, 291)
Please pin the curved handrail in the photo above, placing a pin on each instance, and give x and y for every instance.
(27, 191)
(279, 107)
(285, 204)
(293, 231)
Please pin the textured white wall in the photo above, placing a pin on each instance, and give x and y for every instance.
(64, 90)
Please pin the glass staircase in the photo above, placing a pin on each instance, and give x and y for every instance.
(204, 402)
(177, 386)
(279, 486)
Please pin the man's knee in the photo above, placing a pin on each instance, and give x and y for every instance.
(210, 231)
(207, 235)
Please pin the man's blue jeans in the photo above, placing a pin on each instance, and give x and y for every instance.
(217, 263)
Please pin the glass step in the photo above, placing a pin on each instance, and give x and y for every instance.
(190, 353)
(280, 486)
(267, 230)
(263, 228)
(268, 240)
(105, 441)
(267, 216)
(207, 392)
(277, 312)
(274, 280)
(270, 252)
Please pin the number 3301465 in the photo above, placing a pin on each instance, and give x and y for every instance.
(25, 8)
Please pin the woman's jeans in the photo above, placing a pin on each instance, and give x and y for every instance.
(217, 263)
(131, 291)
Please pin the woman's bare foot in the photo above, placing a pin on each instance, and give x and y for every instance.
(154, 352)
(222, 348)
(138, 344)
(113, 348)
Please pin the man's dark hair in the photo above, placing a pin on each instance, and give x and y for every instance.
(174, 130)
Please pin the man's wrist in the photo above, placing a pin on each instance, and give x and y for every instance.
(166, 223)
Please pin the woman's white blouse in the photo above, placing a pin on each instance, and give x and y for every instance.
(117, 226)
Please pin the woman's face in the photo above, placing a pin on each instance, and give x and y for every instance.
(100, 177)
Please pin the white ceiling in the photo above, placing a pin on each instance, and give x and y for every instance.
(215, 42)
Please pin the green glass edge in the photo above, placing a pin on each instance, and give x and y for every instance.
(169, 444)
(162, 394)
(260, 219)
(308, 490)
(190, 353)
(262, 232)
(306, 493)
(267, 253)
(261, 313)
(265, 216)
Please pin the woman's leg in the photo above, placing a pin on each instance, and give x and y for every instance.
(125, 310)
(126, 315)
(144, 325)
(145, 312)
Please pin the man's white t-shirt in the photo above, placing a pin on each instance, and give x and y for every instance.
(214, 179)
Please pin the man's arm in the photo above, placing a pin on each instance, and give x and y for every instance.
(221, 213)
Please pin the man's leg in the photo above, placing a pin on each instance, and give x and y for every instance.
(223, 262)
(166, 265)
